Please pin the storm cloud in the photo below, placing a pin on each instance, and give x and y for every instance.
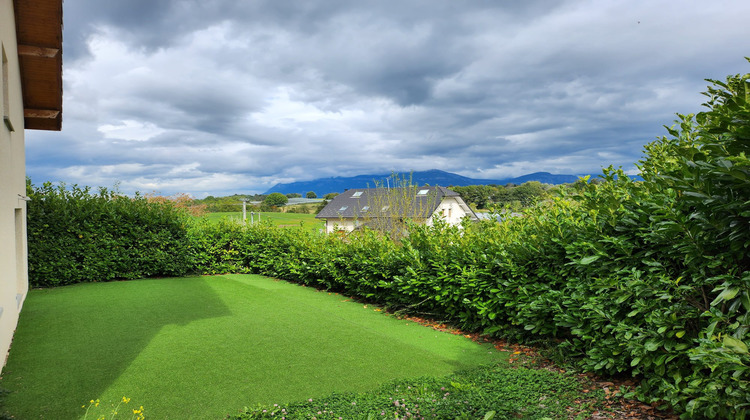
(221, 97)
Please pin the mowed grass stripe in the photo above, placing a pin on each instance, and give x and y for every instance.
(204, 347)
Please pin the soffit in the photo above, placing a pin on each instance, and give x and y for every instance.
(39, 38)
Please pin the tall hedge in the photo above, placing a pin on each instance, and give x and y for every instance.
(75, 236)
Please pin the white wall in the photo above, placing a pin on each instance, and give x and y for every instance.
(13, 266)
(450, 210)
(346, 225)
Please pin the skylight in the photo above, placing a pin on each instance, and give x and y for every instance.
(343, 208)
(365, 208)
(423, 192)
(357, 194)
(385, 208)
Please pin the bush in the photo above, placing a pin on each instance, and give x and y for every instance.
(76, 236)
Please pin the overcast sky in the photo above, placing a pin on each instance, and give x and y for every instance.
(225, 96)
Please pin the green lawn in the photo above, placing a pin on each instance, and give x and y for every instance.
(308, 221)
(204, 347)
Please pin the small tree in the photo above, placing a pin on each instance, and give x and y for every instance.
(330, 196)
(311, 194)
(390, 209)
(275, 200)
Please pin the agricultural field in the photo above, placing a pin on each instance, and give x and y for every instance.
(306, 221)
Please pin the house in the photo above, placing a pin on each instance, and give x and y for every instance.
(31, 91)
(362, 206)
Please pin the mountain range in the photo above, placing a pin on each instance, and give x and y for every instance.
(338, 184)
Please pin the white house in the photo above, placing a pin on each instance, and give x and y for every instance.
(356, 207)
(31, 91)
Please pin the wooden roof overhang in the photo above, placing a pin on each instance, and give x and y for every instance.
(39, 38)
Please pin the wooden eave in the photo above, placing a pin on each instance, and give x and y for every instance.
(39, 38)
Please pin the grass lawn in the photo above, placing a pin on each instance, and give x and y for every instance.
(308, 221)
(204, 347)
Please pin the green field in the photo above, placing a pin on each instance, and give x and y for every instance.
(204, 347)
(307, 221)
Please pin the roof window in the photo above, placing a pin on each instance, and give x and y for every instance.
(343, 208)
(356, 194)
(423, 192)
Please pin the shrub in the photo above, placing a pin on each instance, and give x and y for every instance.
(75, 235)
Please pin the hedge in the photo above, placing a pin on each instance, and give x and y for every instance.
(75, 235)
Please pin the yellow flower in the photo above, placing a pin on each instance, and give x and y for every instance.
(125, 400)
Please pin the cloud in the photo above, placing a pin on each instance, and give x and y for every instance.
(226, 96)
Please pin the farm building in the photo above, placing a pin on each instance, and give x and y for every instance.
(357, 207)
(31, 91)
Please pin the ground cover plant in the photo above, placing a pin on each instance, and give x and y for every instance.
(204, 347)
(493, 392)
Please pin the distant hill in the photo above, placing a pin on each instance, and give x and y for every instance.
(322, 186)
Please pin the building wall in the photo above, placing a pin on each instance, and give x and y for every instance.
(346, 225)
(450, 210)
(13, 266)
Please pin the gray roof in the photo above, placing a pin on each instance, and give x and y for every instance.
(362, 202)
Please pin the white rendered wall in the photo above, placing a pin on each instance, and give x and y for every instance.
(13, 266)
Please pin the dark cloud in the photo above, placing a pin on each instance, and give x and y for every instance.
(220, 95)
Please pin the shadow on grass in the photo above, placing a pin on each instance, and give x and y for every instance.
(66, 350)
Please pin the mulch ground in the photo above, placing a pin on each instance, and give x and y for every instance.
(614, 406)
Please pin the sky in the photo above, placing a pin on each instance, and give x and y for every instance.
(217, 97)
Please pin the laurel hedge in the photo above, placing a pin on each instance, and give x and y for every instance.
(77, 235)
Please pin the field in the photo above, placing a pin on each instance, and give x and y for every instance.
(307, 221)
(205, 347)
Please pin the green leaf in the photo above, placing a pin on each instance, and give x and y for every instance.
(746, 301)
(679, 334)
(588, 260)
(735, 345)
(651, 345)
(727, 294)
(635, 361)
